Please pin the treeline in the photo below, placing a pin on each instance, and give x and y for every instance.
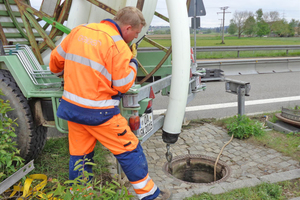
(262, 24)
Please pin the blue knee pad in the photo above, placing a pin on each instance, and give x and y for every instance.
(73, 159)
(134, 164)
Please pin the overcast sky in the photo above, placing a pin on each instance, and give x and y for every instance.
(287, 9)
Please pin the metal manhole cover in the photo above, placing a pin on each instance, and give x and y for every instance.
(197, 169)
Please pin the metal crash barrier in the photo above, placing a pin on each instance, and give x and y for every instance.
(252, 66)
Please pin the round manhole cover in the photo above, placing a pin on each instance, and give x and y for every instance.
(197, 169)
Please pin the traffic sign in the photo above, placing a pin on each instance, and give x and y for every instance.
(197, 22)
(200, 9)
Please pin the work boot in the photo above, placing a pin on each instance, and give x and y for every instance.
(164, 195)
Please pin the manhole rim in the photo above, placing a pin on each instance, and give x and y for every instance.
(198, 156)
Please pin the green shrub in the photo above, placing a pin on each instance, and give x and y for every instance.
(243, 127)
(82, 188)
(10, 162)
(274, 119)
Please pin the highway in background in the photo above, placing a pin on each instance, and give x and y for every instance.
(269, 92)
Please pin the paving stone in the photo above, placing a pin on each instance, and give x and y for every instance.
(231, 151)
(238, 153)
(237, 158)
(249, 164)
(235, 144)
(294, 162)
(284, 164)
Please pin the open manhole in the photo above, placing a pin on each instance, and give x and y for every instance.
(197, 169)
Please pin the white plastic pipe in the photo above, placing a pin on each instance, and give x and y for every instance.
(79, 14)
(180, 37)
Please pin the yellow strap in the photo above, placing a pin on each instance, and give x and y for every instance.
(16, 189)
(28, 190)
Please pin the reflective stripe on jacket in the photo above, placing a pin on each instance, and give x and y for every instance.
(98, 68)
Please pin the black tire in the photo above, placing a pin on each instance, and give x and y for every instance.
(30, 138)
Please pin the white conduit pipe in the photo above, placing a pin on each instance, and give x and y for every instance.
(79, 14)
(180, 37)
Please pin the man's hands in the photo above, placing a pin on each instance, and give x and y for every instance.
(133, 50)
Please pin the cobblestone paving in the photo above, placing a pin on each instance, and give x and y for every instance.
(246, 161)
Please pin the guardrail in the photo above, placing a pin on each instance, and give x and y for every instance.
(252, 66)
(234, 48)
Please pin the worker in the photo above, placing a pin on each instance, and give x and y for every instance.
(98, 68)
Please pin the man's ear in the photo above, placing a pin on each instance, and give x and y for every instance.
(128, 27)
(125, 29)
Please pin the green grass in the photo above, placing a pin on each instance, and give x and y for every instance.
(54, 161)
(212, 40)
(287, 144)
(282, 190)
(255, 41)
(246, 54)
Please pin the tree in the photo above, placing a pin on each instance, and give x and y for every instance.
(232, 29)
(208, 31)
(274, 16)
(259, 15)
(263, 28)
(281, 28)
(250, 26)
(266, 17)
(293, 26)
(239, 19)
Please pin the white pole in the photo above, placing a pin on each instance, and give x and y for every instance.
(180, 37)
(79, 14)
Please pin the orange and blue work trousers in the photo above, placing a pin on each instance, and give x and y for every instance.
(115, 134)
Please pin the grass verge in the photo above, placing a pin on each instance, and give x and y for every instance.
(287, 144)
(54, 161)
(214, 40)
(282, 190)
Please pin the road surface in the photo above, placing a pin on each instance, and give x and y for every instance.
(269, 92)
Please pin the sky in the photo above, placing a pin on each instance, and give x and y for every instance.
(287, 9)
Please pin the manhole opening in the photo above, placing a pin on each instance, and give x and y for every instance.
(197, 169)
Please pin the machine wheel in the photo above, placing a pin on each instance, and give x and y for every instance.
(30, 138)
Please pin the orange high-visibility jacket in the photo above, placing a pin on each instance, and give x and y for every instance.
(98, 68)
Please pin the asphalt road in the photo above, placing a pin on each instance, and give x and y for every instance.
(274, 90)
(269, 92)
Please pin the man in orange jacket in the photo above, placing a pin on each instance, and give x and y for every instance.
(98, 67)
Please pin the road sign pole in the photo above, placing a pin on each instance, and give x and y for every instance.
(195, 36)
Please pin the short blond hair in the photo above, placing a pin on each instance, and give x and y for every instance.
(130, 16)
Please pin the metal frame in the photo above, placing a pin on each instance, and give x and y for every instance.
(7, 183)
(33, 68)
